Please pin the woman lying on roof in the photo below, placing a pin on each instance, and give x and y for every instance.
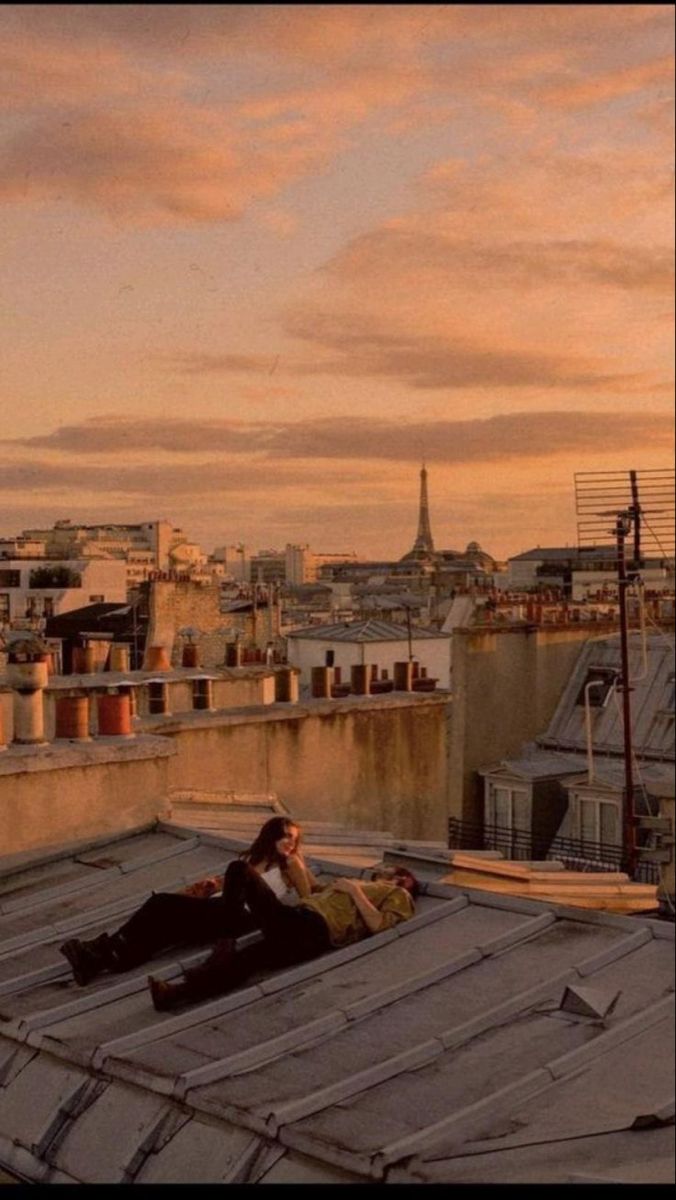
(198, 914)
(345, 912)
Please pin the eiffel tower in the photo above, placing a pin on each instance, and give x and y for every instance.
(423, 543)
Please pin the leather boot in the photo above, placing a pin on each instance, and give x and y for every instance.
(210, 978)
(123, 955)
(87, 959)
(167, 996)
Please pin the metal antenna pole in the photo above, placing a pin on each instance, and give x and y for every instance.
(622, 528)
(635, 511)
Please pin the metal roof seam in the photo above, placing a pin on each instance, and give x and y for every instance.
(589, 966)
(568, 1063)
(461, 1035)
(322, 1098)
(30, 904)
(166, 1026)
(264, 1052)
(462, 1121)
(380, 1000)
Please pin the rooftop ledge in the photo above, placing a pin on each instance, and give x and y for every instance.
(111, 679)
(52, 756)
(255, 714)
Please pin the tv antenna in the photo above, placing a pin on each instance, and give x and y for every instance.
(639, 505)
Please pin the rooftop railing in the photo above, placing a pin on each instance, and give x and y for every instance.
(576, 854)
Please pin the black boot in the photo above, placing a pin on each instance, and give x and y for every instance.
(211, 978)
(124, 955)
(167, 996)
(87, 959)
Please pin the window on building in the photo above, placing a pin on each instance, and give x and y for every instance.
(55, 577)
(603, 679)
(598, 821)
(507, 819)
(10, 579)
(4, 607)
(48, 606)
(96, 599)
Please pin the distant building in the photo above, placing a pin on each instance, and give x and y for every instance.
(22, 547)
(563, 797)
(117, 623)
(299, 565)
(375, 642)
(33, 589)
(303, 565)
(579, 573)
(144, 547)
(235, 560)
(268, 566)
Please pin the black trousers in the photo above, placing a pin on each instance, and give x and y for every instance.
(290, 935)
(168, 919)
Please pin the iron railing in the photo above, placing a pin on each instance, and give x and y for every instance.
(575, 854)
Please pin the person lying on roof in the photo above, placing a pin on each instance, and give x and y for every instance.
(198, 915)
(345, 912)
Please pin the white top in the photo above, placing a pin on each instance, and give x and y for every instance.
(276, 882)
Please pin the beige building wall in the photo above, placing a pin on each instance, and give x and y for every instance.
(174, 606)
(371, 764)
(368, 764)
(80, 793)
(505, 684)
(299, 565)
(235, 560)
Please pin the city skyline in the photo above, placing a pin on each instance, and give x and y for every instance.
(262, 261)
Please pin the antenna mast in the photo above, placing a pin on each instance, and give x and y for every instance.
(600, 495)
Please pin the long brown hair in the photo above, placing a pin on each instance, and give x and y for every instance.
(264, 849)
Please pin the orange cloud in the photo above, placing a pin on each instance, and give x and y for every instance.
(609, 86)
(153, 165)
(520, 435)
(118, 133)
(506, 482)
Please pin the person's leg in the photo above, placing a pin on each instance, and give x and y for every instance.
(236, 916)
(166, 919)
(226, 968)
(243, 885)
(290, 936)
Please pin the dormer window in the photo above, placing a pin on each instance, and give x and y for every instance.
(603, 680)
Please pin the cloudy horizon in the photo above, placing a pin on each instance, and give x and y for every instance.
(261, 261)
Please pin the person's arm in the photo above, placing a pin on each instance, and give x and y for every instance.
(373, 919)
(301, 877)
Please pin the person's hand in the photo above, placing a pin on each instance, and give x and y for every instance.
(203, 888)
(349, 886)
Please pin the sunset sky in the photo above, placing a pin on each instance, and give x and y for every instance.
(259, 261)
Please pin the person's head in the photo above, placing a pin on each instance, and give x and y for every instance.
(400, 876)
(278, 839)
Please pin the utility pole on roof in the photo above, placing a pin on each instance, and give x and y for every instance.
(622, 530)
